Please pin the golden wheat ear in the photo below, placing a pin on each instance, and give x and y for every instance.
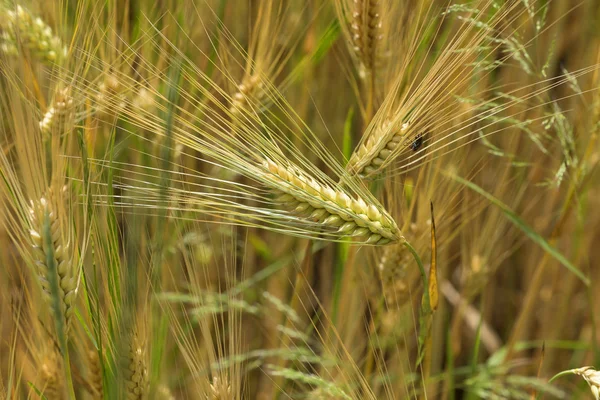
(253, 145)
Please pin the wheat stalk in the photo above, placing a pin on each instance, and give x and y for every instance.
(331, 207)
(20, 26)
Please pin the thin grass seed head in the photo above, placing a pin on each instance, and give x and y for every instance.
(20, 26)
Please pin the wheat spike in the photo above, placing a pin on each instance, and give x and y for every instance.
(20, 26)
(219, 390)
(250, 88)
(59, 113)
(136, 379)
(365, 29)
(51, 388)
(95, 373)
(331, 207)
(376, 150)
(43, 214)
(592, 377)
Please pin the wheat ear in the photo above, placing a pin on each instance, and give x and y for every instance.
(49, 371)
(59, 112)
(95, 373)
(219, 390)
(136, 375)
(53, 260)
(376, 150)
(20, 26)
(592, 377)
(332, 208)
(365, 28)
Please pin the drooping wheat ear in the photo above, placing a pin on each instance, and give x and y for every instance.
(20, 26)
(332, 208)
(49, 373)
(368, 158)
(395, 272)
(135, 370)
(365, 28)
(592, 377)
(53, 260)
(220, 389)
(59, 112)
(251, 88)
(95, 373)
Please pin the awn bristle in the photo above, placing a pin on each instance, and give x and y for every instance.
(136, 375)
(365, 30)
(369, 156)
(331, 207)
(42, 215)
(59, 112)
(592, 377)
(20, 26)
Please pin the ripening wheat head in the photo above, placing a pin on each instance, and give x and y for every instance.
(282, 189)
(275, 33)
(424, 111)
(20, 28)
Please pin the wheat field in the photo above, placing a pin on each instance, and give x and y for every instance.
(299, 199)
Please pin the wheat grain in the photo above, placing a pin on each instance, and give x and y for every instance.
(43, 215)
(20, 26)
(332, 208)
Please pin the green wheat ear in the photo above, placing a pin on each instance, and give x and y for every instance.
(53, 260)
(21, 28)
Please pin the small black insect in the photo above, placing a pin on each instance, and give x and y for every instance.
(416, 144)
